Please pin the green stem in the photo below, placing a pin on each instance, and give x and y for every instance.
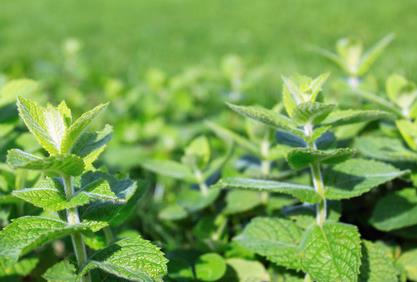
(108, 234)
(20, 184)
(321, 207)
(201, 183)
(77, 241)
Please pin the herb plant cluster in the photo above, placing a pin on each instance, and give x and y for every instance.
(200, 183)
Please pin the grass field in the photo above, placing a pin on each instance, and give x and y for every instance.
(123, 35)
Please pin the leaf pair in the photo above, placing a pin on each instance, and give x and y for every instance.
(345, 180)
(52, 126)
(350, 56)
(328, 253)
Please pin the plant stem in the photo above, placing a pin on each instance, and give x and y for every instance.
(321, 207)
(20, 184)
(201, 183)
(108, 234)
(73, 218)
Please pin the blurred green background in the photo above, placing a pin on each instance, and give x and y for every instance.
(124, 36)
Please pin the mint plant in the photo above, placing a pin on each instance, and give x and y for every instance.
(351, 58)
(196, 167)
(77, 199)
(324, 249)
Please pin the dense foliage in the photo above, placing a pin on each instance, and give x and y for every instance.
(194, 180)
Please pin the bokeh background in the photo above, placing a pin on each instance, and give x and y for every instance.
(127, 37)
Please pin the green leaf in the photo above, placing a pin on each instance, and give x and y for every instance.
(49, 195)
(311, 113)
(115, 213)
(331, 252)
(91, 144)
(46, 124)
(238, 201)
(77, 128)
(355, 177)
(275, 238)
(30, 232)
(396, 210)
(55, 165)
(268, 117)
(301, 89)
(227, 135)
(302, 192)
(350, 52)
(210, 267)
(63, 271)
(291, 96)
(408, 260)
(172, 212)
(343, 117)
(376, 264)
(408, 132)
(247, 270)
(194, 200)
(302, 157)
(369, 58)
(169, 168)
(15, 88)
(65, 112)
(394, 84)
(385, 149)
(197, 153)
(132, 258)
(12, 268)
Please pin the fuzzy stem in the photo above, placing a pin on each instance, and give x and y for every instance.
(321, 207)
(73, 218)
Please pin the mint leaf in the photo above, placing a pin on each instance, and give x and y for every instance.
(268, 117)
(169, 168)
(302, 192)
(46, 124)
(355, 177)
(344, 117)
(194, 200)
(29, 232)
(302, 157)
(63, 271)
(376, 264)
(12, 268)
(77, 128)
(210, 267)
(247, 270)
(311, 113)
(54, 165)
(372, 54)
(408, 261)
(49, 195)
(331, 252)
(91, 144)
(132, 258)
(385, 149)
(238, 201)
(229, 135)
(396, 210)
(275, 238)
(127, 191)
